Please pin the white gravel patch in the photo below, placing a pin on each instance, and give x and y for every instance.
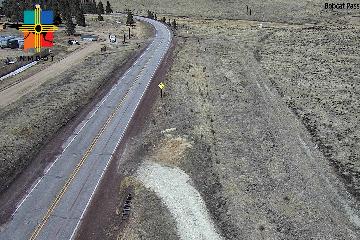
(184, 202)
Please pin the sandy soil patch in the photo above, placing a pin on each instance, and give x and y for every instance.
(174, 187)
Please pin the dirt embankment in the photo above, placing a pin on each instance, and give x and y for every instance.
(241, 150)
(27, 124)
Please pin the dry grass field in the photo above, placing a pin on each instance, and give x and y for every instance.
(318, 75)
(267, 10)
(242, 95)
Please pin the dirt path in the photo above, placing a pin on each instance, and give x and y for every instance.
(15, 92)
(173, 186)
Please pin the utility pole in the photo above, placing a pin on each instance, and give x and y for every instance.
(129, 34)
(124, 39)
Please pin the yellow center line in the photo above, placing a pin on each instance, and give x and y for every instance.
(63, 190)
(74, 173)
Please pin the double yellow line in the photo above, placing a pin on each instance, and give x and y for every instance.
(63, 190)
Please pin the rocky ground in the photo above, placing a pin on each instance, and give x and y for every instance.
(30, 122)
(261, 118)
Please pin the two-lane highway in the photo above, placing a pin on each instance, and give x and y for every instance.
(56, 204)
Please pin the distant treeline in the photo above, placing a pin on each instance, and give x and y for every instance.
(63, 10)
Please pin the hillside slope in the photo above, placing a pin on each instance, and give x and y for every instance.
(267, 10)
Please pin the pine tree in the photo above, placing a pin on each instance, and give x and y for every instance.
(100, 8)
(57, 16)
(108, 8)
(130, 19)
(174, 25)
(48, 4)
(79, 14)
(91, 7)
(66, 13)
(12, 10)
(163, 20)
(69, 24)
(100, 17)
(150, 14)
(86, 7)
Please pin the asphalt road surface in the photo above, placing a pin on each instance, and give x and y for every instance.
(55, 205)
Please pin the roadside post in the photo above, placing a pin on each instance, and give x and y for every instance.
(112, 38)
(161, 86)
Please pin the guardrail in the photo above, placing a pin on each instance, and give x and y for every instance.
(19, 70)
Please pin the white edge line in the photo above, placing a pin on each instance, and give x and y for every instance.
(76, 134)
(92, 115)
(109, 160)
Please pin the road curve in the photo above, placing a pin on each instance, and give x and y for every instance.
(55, 205)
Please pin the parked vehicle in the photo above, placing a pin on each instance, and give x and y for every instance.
(13, 44)
(112, 38)
(21, 43)
(16, 43)
(9, 61)
(5, 41)
(73, 42)
(90, 38)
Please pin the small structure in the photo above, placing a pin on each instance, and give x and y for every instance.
(73, 42)
(90, 38)
(112, 38)
(16, 43)
(4, 43)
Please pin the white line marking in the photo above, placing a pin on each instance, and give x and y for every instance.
(109, 160)
(83, 126)
(75, 135)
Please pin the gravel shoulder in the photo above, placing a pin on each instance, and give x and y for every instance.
(184, 202)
